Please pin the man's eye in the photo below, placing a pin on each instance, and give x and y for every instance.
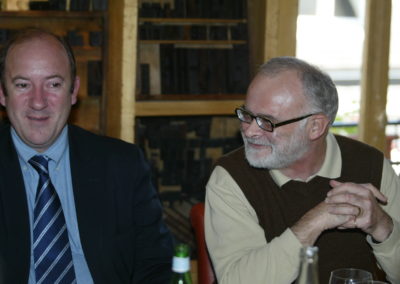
(55, 85)
(21, 85)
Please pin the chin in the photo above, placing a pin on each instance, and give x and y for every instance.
(256, 158)
(262, 160)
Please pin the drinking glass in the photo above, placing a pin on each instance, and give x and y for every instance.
(349, 276)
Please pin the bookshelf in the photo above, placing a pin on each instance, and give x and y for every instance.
(123, 20)
(193, 57)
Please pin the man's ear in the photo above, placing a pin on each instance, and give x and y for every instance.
(75, 90)
(2, 96)
(318, 125)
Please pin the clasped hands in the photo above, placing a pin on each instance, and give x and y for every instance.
(347, 206)
(357, 205)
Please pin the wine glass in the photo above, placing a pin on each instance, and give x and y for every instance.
(349, 276)
(370, 282)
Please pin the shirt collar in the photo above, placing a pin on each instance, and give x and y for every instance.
(54, 152)
(331, 167)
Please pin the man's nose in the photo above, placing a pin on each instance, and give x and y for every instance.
(252, 129)
(38, 98)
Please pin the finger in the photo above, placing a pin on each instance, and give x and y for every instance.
(377, 193)
(358, 189)
(345, 197)
(341, 187)
(347, 187)
(345, 209)
(351, 224)
(360, 212)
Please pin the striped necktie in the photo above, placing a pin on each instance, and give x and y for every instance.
(51, 248)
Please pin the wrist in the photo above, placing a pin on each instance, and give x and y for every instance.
(383, 231)
(307, 234)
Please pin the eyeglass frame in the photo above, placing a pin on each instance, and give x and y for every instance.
(273, 125)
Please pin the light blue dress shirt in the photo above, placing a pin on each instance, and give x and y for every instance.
(60, 175)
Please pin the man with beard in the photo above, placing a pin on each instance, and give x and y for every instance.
(294, 184)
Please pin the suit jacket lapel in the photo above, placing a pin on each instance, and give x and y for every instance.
(88, 184)
(14, 209)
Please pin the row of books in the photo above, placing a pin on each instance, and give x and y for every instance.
(150, 31)
(200, 70)
(226, 9)
(69, 5)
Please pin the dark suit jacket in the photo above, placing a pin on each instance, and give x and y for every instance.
(119, 214)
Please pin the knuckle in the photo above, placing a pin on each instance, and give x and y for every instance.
(348, 197)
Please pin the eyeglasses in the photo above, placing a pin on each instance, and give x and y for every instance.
(263, 122)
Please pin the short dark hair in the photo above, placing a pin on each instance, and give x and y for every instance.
(26, 35)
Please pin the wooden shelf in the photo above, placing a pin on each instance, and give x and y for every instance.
(194, 42)
(187, 105)
(52, 20)
(191, 21)
(189, 108)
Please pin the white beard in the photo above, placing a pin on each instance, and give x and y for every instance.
(281, 154)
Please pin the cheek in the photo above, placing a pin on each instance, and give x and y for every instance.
(59, 100)
(13, 102)
(243, 126)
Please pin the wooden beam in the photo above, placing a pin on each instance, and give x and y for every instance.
(375, 72)
(256, 9)
(121, 69)
(272, 28)
(280, 29)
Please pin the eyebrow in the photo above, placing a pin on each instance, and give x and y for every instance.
(272, 118)
(18, 77)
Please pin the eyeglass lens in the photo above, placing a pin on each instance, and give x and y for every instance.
(247, 117)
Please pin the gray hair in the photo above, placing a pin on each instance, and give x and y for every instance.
(317, 85)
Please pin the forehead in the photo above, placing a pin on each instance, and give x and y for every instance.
(41, 51)
(276, 95)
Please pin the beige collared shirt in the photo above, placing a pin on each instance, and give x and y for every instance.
(237, 244)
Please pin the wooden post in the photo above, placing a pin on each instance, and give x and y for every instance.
(256, 22)
(281, 27)
(374, 81)
(121, 69)
(14, 5)
(272, 28)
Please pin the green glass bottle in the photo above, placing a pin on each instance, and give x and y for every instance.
(181, 265)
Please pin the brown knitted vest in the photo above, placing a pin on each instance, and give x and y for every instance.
(280, 208)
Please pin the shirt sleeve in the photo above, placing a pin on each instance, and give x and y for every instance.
(236, 242)
(388, 252)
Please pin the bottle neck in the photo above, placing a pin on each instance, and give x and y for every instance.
(309, 266)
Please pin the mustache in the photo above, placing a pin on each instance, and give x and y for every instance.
(257, 141)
